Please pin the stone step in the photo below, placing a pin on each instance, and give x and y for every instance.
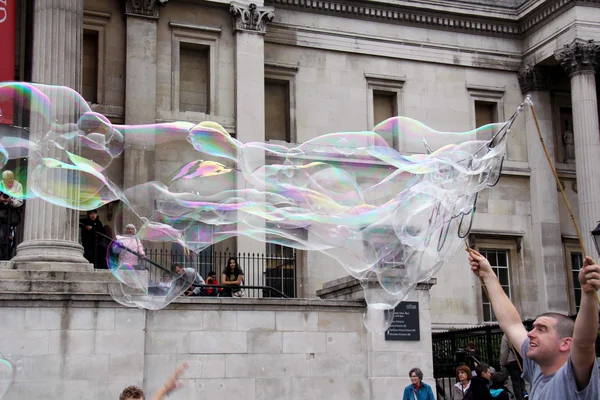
(52, 286)
(84, 276)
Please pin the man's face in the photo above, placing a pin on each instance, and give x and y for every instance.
(179, 270)
(486, 374)
(544, 343)
(93, 216)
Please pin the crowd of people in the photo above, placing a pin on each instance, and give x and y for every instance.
(98, 241)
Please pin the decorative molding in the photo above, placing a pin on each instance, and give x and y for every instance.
(281, 69)
(144, 8)
(100, 16)
(531, 78)
(251, 18)
(385, 81)
(514, 22)
(579, 57)
(371, 45)
(489, 92)
(399, 14)
(203, 28)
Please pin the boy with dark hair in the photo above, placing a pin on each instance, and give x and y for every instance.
(498, 388)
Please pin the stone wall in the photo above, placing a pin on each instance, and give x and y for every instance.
(71, 344)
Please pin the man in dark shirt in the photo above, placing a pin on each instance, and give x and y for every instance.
(89, 227)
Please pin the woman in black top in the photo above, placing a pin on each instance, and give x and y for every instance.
(232, 276)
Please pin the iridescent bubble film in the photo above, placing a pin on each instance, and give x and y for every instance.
(7, 375)
(390, 218)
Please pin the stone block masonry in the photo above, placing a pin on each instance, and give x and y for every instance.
(85, 346)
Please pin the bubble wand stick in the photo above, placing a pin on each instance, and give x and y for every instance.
(558, 183)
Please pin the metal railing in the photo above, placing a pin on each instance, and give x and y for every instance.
(449, 351)
(266, 277)
(275, 271)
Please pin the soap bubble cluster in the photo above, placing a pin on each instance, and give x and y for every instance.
(390, 218)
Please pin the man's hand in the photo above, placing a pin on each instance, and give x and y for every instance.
(171, 384)
(589, 276)
(89, 228)
(480, 265)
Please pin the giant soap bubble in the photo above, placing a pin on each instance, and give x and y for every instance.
(390, 218)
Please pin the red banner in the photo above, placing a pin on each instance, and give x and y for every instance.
(8, 29)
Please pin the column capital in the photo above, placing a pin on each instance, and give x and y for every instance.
(144, 8)
(579, 57)
(532, 78)
(251, 18)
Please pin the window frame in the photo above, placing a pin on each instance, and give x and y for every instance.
(571, 246)
(200, 35)
(284, 73)
(487, 94)
(511, 244)
(384, 83)
(96, 21)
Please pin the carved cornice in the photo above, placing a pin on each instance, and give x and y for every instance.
(144, 8)
(512, 23)
(398, 14)
(251, 18)
(532, 78)
(579, 57)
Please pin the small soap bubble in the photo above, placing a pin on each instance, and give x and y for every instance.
(7, 376)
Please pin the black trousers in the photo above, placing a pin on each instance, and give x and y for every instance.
(518, 383)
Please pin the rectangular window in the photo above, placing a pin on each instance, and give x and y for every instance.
(576, 261)
(485, 113)
(280, 270)
(90, 66)
(277, 110)
(499, 260)
(384, 107)
(194, 77)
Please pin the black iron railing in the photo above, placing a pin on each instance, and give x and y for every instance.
(450, 351)
(264, 276)
(276, 271)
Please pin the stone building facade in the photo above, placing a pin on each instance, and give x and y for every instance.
(286, 71)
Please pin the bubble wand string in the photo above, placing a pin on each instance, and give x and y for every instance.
(558, 183)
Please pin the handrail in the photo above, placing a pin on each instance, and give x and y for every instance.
(242, 287)
(131, 251)
(269, 288)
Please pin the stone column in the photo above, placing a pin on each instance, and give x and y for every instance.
(249, 25)
(549, 273)
(579, 59)
(51, 232)
(140, 92)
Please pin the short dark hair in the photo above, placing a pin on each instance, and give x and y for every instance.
(417, 372)
(481, 368)
(132, 393)
(470, 345)
(92, 212)
(465, 369)
(564, 324)
(499, 379)
(211, 273)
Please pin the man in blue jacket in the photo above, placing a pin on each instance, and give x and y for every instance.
(417, 390)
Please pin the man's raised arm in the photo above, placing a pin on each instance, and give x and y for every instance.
(507, 315)
(586, 325)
